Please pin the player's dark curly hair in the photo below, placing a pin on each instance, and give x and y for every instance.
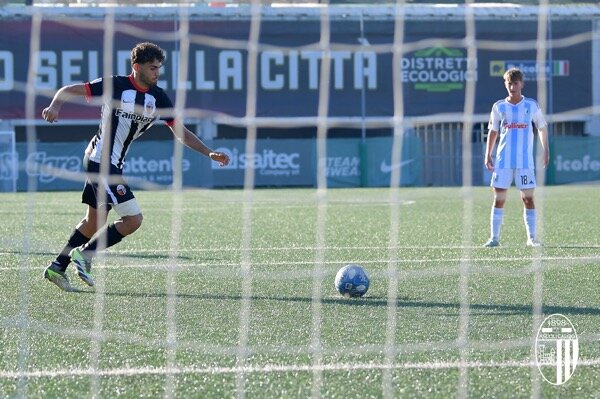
(147, 52)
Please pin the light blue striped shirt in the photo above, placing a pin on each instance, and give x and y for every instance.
(513, 122)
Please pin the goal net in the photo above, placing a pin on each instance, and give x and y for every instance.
(8, 158)
(356, 134)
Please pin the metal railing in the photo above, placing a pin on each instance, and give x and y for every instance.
(443, 149)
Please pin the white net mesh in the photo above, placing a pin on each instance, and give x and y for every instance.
(248, 260)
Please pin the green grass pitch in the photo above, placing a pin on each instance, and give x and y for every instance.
(230, 294)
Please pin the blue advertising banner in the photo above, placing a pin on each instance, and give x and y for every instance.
(575, 159)
(380, 166)
(276, 163)
(343, 165)
(433, 78)
(59, 166)
(345, 157)
(153, 161)
(55, 166)
(279, 163)
(294, 162)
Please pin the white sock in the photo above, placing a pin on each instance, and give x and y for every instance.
(496, 222)
(529, 216)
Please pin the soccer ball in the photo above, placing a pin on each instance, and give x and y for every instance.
(352, 281)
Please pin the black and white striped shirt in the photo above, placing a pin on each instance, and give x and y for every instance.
(132, 109)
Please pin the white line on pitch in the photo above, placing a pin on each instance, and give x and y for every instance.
(272, 368)
(183, 264)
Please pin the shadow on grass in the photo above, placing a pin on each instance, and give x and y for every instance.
(402, 302)
(22, 252)
(151, 256)
(591, 246)
(134, 255)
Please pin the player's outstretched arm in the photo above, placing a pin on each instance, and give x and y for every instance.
(192, 141)
(50, 114)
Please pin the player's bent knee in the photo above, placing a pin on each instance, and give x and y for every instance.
(138, 220)
(129, 224)
(134, 222)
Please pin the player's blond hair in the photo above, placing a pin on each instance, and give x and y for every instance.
(513, 75)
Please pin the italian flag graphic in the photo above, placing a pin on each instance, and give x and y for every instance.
(560, 68)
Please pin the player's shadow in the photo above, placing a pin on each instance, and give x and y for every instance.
(151, 256)
(591, 246)
(401, 302)
(35, 253)
(134, 255)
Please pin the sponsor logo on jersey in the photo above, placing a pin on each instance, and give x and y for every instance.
(149, 106)
(516, 125)
(133, 116)
(128, 100)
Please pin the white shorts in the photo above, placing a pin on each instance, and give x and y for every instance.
(503, 178)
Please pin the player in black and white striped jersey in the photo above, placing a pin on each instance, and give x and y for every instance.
(136, 103)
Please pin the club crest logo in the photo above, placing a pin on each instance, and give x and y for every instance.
(121, 190)
(149, 106)
(556, 349)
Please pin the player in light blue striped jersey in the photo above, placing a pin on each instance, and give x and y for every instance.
(512, 120)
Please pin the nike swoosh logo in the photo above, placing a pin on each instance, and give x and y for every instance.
(385, 168)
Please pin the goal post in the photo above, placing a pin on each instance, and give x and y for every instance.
(8, 161)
